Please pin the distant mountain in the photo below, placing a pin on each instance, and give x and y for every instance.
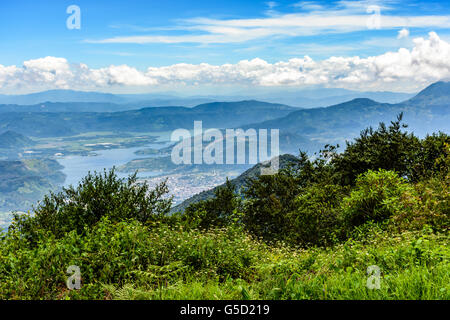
(60, 96)
(305, 98)
(11, 139)
(241, 107)
(327, 97)
(237, 108)
(83, 101)
(238, 183)
(66, 107)
(427, 112)
(213, 115)
(436, 94)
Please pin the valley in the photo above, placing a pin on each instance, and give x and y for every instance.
(139, 140)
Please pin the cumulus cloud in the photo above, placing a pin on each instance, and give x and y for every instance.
(404, 33)
(403, 70)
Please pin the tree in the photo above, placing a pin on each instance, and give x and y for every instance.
(387, 148)
(268, 201)
(97, 195)
(219, 211)
(430, 158)
(316, 219)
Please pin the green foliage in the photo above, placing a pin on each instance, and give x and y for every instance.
(376, 197)
(269, 199)
(429, 205)
(119, 253)
(432, 158)
(316, 219)
(386, 148)
(216, 212)
(129, 260)
(97, 196)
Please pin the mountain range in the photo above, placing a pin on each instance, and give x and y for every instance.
(213, 115)
(426, 112)
(54, 100)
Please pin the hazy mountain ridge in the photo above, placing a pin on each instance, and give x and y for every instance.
(306, 98)
(66, 107)
(23, 182)
(60, 96)
(11, 139)
(114, 102)
(213, 115)
(426, 112)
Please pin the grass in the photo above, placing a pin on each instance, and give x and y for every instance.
(128, 260)
(408, 271)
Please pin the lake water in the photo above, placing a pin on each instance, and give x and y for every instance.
(77, 167)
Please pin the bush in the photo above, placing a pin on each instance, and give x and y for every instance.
(387, 148)
(377, 196)
(219, 211)
(97, 196)
(316, 219)
(123, 252)
(269, 200)
(432, 159)
(431, 207)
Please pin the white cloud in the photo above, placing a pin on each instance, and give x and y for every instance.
(402, 70)
(404, 33)
(308, 5)
(315, 18)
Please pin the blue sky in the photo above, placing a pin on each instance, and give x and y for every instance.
(143, 34)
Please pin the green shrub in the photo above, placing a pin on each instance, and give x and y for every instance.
(269, 200)
(123, 252)
(377, 196)
(219, 211)
(387, 148)
(429, 205)
(317, 218)
(97, 196)
(432, 159)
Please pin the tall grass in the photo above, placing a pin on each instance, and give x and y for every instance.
(129, 260)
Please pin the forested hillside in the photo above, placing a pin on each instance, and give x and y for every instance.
(24, 181)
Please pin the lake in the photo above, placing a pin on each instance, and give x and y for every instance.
(77, 167)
